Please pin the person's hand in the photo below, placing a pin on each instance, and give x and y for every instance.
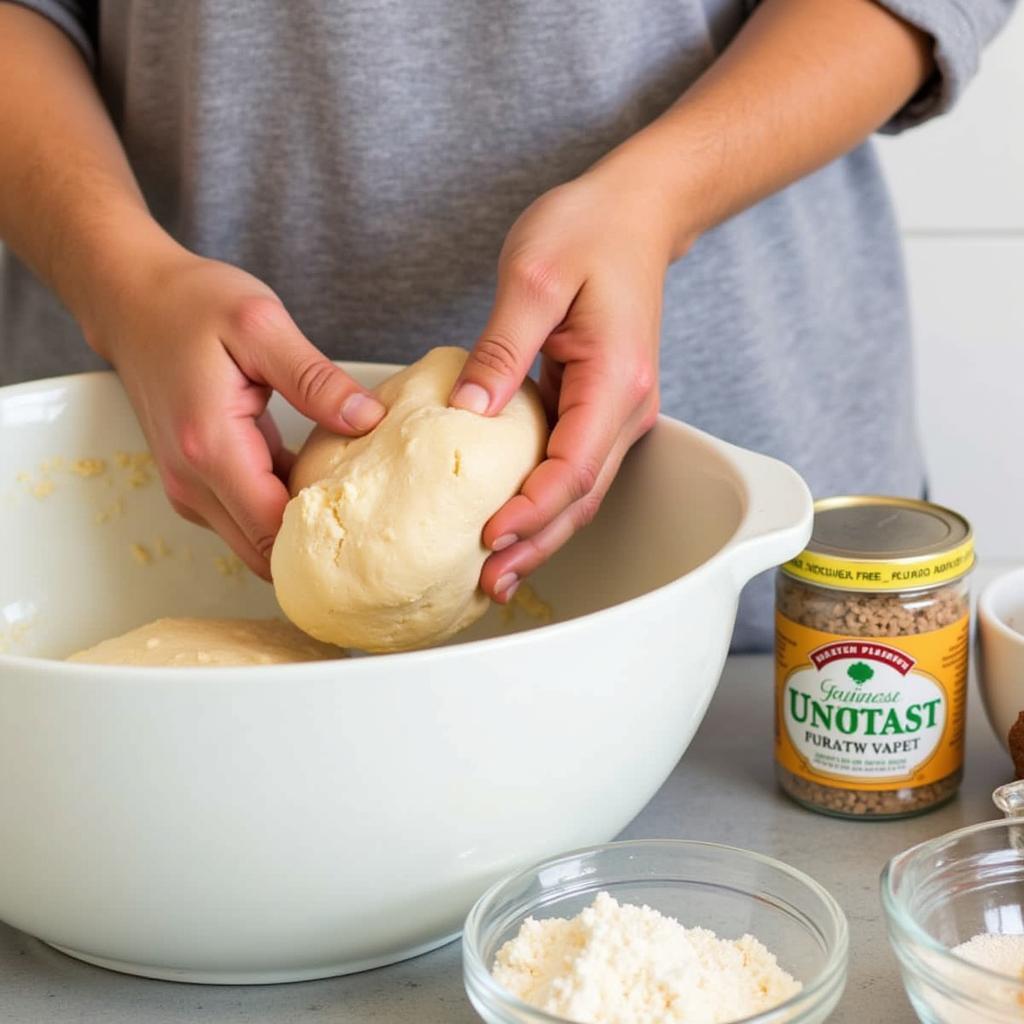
(200, 346)
(580, 281)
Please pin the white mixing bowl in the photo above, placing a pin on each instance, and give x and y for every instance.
(287, 822)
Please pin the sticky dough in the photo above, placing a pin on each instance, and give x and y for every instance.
(381, 548)
(202, 643)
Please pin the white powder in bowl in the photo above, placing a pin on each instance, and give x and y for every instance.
(623, 964)
(1001, 953)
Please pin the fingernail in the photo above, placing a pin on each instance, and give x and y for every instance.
(506, 540)
(362, 412)
(471, 397)
(508, 582)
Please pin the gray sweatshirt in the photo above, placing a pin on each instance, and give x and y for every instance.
(366, 157)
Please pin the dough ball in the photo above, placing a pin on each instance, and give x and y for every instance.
(380, 548)
(201, 643)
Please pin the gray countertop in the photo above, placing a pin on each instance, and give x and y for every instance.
(722, 791)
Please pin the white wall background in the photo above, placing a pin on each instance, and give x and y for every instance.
(959, 189)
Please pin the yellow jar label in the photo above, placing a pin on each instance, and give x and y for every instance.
(870, 714)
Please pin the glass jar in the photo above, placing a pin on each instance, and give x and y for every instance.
(872, 639)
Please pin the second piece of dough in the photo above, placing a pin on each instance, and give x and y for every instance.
(208, 643)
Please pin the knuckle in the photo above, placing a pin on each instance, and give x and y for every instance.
(497, 353)
(536, 553)
(258, 315)
(537, 278)
(584, 478)
(196, 447)
(313, 378)
(264, 544)
(642, 382)
(584, 511)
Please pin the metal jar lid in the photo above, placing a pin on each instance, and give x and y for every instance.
(871, 542)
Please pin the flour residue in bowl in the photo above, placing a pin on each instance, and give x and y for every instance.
(624, 963)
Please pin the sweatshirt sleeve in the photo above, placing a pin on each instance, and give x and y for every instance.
(76, 18)
(960, 30)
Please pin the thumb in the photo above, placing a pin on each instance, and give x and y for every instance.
(527, 308)
(274, 351)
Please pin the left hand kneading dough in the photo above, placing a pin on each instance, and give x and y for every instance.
(204, 643)
(381, 548)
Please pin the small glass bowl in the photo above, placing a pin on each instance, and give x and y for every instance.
(730, 891)
(943, 892)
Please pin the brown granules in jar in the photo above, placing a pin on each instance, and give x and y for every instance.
(874, 615)
(883, 803)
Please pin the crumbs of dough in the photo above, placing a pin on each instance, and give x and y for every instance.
(141, 554)
(229, 565)
(112, 511)
(138, 466)
(457, 463)
(87, 468)
(528, 601)
(149, 553)
(39, 487)
(41, 482)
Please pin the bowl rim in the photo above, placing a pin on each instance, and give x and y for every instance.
(718, 561)
(833, 973)
(986, 600)
(414, 658)
(901, 919)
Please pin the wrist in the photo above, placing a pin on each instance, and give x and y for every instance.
(120, 259)
(667, 171)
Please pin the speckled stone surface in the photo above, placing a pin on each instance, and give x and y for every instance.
(722, 791)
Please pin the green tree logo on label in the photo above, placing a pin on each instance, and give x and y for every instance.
(860, 673)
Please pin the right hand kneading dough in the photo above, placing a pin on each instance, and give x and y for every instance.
(381, 548)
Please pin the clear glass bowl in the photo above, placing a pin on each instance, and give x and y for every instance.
(943, 892)
(730, 891)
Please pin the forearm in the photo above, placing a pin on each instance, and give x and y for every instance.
(802, 83)
(69, 204)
